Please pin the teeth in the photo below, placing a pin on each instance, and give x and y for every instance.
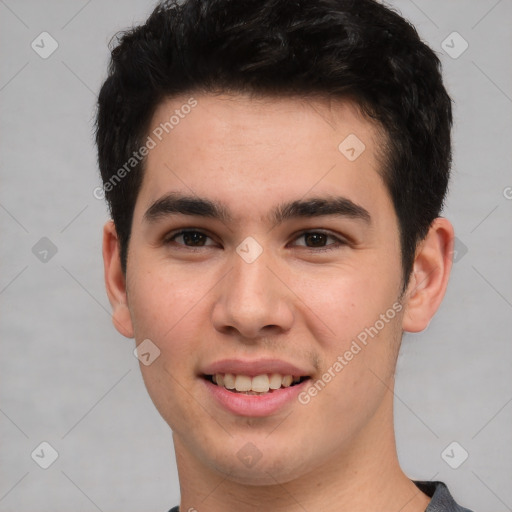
(229, 380)
(258, 384)
(275, 381)
(287, 381)
(243, 383)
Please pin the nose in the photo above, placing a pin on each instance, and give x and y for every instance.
(254, 300)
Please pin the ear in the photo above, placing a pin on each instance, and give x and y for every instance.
(429, 278)
(115, 281)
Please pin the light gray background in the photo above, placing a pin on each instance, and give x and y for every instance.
(70, 379)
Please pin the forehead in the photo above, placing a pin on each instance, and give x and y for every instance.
(251, 149)
(246, 119)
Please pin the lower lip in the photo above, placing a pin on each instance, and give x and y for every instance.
(254, 405)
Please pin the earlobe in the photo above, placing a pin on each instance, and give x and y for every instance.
(429, 279)
(115, 281)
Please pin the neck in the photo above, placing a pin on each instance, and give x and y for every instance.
(364, 475)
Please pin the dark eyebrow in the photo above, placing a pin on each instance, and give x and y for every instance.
(320, 206)
(176, 203)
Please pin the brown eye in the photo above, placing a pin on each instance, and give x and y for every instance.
(191, 238)
(317, 240)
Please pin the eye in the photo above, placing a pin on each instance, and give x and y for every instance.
(191, 238)
(314, 240)
(318, 238)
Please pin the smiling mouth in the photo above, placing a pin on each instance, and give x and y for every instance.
(257, 385)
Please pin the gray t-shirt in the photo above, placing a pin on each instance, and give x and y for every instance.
(441, 501)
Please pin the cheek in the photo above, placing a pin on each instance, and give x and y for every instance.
(167, 311)
(357, 373)
(357, 320)
(161, 299)
(347, 300)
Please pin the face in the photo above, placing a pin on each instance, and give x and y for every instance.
(261, 248)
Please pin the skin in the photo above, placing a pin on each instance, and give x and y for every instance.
(293, 302)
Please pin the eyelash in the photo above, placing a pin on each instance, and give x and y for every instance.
(339, 242)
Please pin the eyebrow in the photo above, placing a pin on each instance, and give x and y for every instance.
(176, 203)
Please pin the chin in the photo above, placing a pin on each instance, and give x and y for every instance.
(246, 464)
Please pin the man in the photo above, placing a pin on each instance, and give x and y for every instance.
(275, 171)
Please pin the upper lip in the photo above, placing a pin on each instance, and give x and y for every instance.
(254, 367)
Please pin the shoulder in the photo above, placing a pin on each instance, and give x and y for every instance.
(442, 500)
